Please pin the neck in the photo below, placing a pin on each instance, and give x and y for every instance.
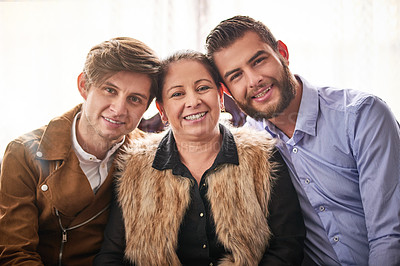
(199, 155)
(286, 121)
(92, 143)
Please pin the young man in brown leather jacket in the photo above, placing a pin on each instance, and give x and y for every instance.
(56, 181)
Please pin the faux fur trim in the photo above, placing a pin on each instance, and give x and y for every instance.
(154, 202)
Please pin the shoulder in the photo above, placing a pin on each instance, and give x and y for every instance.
(139, 150)
(255, 150)
(50, 130)
(27, 142)
(247, 138)
(358, 108)
(143, 142)
(347, 100)
(34, 135)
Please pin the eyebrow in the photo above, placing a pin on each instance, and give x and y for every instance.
(200, 80)
(180, 86)
(257, 54)
(140, 95)
(173, 87)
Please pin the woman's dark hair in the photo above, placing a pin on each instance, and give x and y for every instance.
(185, 55)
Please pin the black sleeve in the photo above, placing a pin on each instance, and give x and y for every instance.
(113, 247)
(285, 220)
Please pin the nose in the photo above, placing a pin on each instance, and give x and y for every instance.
(253, 78)
(118, 106)
(193, 100)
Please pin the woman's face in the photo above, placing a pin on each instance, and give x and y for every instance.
(191, 100)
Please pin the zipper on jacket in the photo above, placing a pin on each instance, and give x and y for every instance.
(64, 240)
(64, 233)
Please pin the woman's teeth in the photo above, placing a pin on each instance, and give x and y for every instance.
(195, 117)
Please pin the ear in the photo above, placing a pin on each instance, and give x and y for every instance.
(283, 50)
(160, 109)
(82, 85)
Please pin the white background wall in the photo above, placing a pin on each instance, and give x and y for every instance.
(43, 45)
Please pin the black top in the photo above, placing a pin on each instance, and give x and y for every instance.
(197, 241)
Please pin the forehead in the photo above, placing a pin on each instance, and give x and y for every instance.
(240, 51)
(186, 70)
(130, 81)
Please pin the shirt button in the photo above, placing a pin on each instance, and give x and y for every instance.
(204, 184)
(44, 187)
(321, 208)
(307, 181)
(201, 214)
(39, 154)
(204, 246)
(294, 150)
(336, 238)
(211, 264)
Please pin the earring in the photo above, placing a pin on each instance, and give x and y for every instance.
(223, 109)
(166, 123)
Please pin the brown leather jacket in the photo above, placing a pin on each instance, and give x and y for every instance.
(48, 211)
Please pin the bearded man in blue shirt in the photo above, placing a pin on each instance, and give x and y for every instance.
(342, 146)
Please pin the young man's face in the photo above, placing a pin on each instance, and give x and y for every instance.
(115, 107)
(257, 77)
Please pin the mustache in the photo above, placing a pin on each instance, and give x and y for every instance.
(262, 85)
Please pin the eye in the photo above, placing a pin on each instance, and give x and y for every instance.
(259, 60)
(110, 90)
(235, 76)
(135, 99)
(176, 94)
(203, 88)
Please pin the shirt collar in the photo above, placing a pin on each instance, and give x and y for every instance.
(82, 154)
(308, 111)
(167, 156)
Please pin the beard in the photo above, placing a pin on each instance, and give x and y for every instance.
(287, 86)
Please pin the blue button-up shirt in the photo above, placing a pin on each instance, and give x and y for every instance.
(344, 157)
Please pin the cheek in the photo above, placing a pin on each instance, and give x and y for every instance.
(137, 113)
(174, 109)
(238, 91)
(215, 103)
(97, 102)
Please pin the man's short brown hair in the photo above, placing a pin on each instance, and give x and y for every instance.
(121, 54)
(232, 29)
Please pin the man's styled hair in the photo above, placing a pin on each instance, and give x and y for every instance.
(232, 29)
(185, 55)
(121, 54)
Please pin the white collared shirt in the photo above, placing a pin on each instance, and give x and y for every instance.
(95, 170)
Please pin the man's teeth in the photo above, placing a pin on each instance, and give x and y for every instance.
(195, 117)
(262, 93)
(112, 121)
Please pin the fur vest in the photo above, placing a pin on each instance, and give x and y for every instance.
(154, 202)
